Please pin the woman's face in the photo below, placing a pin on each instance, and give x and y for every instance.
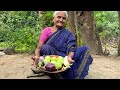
(60, 19)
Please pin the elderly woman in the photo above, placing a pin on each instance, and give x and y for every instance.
(57, 40)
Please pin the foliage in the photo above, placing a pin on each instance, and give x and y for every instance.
(20, 29)
(108, 21)
(46, 18)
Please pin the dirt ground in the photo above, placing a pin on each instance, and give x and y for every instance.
(104, 68)
(18, 66)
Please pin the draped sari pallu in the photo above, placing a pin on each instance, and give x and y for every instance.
(61, 43)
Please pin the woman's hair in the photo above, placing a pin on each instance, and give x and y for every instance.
(54, 14)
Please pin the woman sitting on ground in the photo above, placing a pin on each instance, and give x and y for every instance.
(57, 40)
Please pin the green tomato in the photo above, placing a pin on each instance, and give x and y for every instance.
(61, 61)
(48, 57)
(58, 65)
(54, 62)
(46, 61)
(53, 59)
(60, 58)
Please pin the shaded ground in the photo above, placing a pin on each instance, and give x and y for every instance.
(18, 67)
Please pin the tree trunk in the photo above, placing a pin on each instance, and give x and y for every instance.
(77, 33)
(86, 28)
(119, 34)
(98, 41)
(71, 24)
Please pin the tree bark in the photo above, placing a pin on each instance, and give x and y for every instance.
(119, 34)
(86, 28)
(71, 24)
(77, 33)
(98, 41)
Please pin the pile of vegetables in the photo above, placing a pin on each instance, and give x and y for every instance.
(53, 63)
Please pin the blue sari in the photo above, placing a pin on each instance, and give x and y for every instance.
(61, 43)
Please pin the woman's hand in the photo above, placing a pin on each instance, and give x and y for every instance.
(70, 59)
(70, 55)
(36, 57)
(35, 61)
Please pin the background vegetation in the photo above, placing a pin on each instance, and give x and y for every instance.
(20, 30)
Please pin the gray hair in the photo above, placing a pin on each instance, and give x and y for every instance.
(55, 13)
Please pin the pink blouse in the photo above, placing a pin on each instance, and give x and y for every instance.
(45, 34)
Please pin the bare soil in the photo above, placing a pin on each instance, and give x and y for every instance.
(104, 68)
(18, 66)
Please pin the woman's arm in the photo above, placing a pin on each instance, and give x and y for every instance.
(70, 56)
(71, 47)
(37, 53)
(42, 39)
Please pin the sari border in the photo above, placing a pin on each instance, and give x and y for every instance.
(53, 35)
(82, 65)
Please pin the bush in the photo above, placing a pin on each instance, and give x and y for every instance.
(20, 30)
